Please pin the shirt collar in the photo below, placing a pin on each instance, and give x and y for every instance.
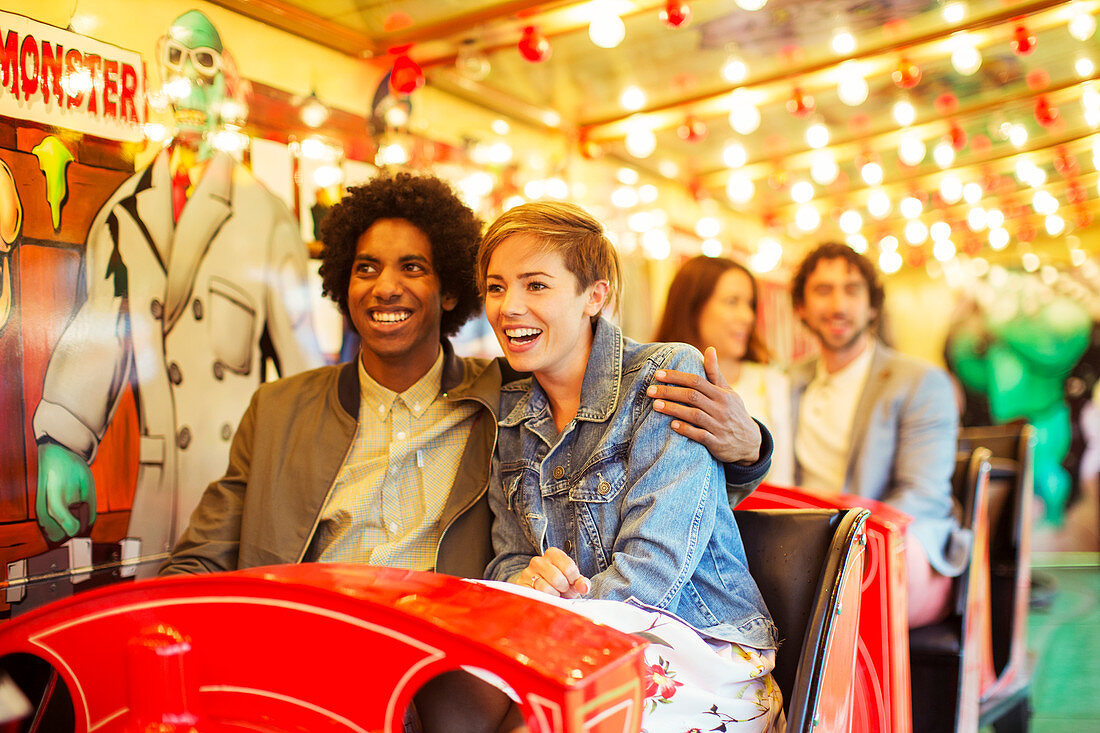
(379, 400)
(599, 390)
(854, 372)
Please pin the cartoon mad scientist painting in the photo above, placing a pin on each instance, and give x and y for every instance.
(195, 276)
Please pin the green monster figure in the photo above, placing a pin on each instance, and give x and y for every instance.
(1018, 353)
(196, 279)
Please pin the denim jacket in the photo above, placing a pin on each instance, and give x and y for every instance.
(641, 509)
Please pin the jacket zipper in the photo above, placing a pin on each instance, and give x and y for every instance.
(477, 497)
(320, 511)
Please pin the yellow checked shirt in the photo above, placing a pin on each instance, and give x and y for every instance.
(385, 505)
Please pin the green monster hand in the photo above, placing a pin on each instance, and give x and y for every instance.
(64, 483)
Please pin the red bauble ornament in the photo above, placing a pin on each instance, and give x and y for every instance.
(533, 46)
(1082, 219)
(1046, 114)
(946, 104)
(981, 144)
(692, 129)
(907, 75)
(800, 104)
(1026, 232)
(675, 14)
(1076, 194)
(1065, 162)
(957, 137)
(1023, 42)
(1037, 80)
(916, 256)
(405, 76)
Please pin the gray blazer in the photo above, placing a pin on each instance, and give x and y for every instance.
(902, 449)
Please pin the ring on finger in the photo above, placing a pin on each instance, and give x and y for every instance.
(534, 580)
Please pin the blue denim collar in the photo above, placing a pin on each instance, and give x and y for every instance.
(599, 390)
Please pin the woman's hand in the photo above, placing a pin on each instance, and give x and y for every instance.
(708, 411)
(555, 573)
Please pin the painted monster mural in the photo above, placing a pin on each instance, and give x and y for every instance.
(190, 285)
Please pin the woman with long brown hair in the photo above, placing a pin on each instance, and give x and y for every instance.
(712, 303)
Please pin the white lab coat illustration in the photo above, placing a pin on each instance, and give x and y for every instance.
(179, 310)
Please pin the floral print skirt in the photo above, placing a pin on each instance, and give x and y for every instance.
(693, 682)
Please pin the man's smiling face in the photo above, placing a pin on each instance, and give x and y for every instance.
(395, 300)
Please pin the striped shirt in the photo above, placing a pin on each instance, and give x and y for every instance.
(385, 505)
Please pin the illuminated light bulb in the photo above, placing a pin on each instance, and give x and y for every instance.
(904, 112)
(556, 188)
(313, 112)
(1084, 67)
(889, 243)
(1017, 135)
(998, 238)
(1054, 224)
(911, 148)
(857, 242)
(534, 189)
(551, 118)
(641, 142)
(1082, 25)
(744, 115)
(500, 127)
(977, 219)
(943, 250)
(951, 188)
(850, 221)
(155, 132)
(954, 12)
(177, 88)
(735, 70)
(751, 5)
(889, 262)
(708, 227)
(871, 173)
(966, 58)
(807, 218)
(500, 153)
(1092, 117)
(640, 222)
(655, 243)
(512, 202)
(393, 154)
(852, 91)
(972, 193)
(632, 98)
(606, 29)
(648, 193)
(802, 191)
(878, 204)
(1077, 256)
(711, 248)
(915, 231)
(768, 254)
(943, 154)
(843, 43)
(1044, 203)
(327, 175)
(910, 207)
(472, 62)
(994, 218)
(734, 155)
(817, 135)
(824, 169)
(623, 197)
(980, 266)
(1048, 274)
(1030, 261)
(940, 230)
(626, 175)
(1090, 97)
(740, 188)
(1024, 167)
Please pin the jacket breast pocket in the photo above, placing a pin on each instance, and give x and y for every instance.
(601, 481)
(232, 327)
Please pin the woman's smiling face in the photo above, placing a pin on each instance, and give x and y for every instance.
(539, 312)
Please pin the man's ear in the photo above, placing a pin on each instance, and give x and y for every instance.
(598, 293)
(448, 302)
